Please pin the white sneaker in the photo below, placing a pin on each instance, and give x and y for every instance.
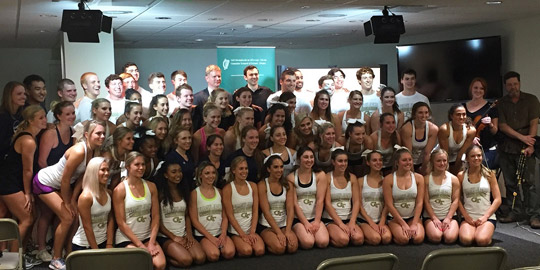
(44, 255)
(57, 264)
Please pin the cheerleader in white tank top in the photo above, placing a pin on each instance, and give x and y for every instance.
(310, 190)
(386, 137)
(447, 136)
(278, 137)
(277, 208)
(372, 209)
(135, 203)
(478, 184)
(208, 216)
(441, 200)
(403, 195)
(342, 203)
(70, 169)
(350, 116)
(419, 135)
(176, 235)
(94, 208)
(241, 203)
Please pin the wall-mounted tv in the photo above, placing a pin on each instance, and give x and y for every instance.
(445, 69)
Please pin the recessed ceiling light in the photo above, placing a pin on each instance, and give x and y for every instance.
(493, 2)
(222, 33)
(199, 40)
(313, 20)
(331, 15)
(215, 19)
(248, 26)
(163, 18)
(117, 12)
(264, 20)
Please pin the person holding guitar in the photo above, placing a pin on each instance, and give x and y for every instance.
(485, 119)
(518, 121)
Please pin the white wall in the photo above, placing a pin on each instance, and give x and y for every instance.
(81, 57)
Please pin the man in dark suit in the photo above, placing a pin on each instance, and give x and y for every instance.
(213, 78)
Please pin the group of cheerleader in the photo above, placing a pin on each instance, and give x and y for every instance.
(193, 194)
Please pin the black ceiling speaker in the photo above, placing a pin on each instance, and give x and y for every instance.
(84, 25)
(386, 28)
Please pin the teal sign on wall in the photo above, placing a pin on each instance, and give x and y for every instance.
(233, 60)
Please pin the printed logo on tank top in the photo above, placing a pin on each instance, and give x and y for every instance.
(100, 220)
(440, 196)
(373, 198)
(307, 198)
(244, 209)
(341, 200)
(277, 209)
(475, 194)
(139, 212)
(176, 213)
(405, 200)
(210, 211)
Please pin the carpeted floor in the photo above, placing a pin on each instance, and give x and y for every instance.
(522, 246)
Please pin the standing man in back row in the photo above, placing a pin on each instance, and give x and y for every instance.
(518, 121)
(259, 93)
(213, 79)
(409, 96)
(372, 102)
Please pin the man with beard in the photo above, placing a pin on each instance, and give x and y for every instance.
(518, 121)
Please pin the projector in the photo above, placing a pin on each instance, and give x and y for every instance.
(84, 25)
(386, 28)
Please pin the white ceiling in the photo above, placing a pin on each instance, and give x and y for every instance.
(280, 23)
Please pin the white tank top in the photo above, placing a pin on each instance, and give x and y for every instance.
(100, 217)
(476, 197)
(440, 196)
(278, 207)
(174, 218)
(453, 147)
(307, 196)
(341, 200)
(289, 167)
(242, 209)
(137, 211)
(372, 200)
(419, 146)
(209, 211)
(345, 124)
(405, 200)
(386, 153)
(51, 176)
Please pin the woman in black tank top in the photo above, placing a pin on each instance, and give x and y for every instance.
(16, 191)
(55, 142)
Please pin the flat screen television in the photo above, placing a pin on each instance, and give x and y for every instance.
(445, 69)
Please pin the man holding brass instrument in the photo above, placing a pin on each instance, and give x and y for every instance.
(518, 121)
